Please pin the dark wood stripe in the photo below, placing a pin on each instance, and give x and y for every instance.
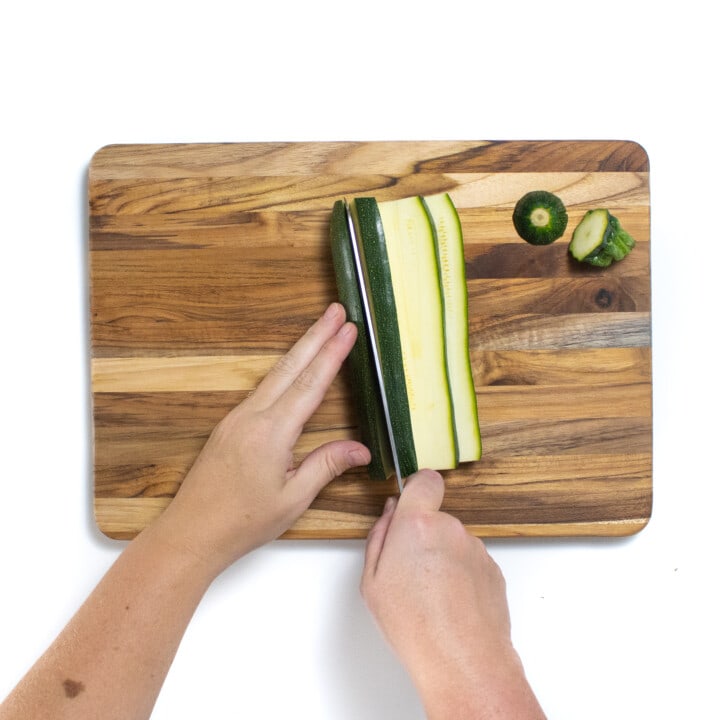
(569, 488)
(589, 436)
(591, 293)
(515, 260)
(559, 488)
(549, 332)
(544, 156)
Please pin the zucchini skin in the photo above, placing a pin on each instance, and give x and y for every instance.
(614, 244)
(366, 393)
(540, 217)
(371, 239)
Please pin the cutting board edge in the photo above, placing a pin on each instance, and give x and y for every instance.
(125, 518)
(604, 154)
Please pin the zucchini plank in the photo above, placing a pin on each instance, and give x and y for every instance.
(372, 244)
(449, 248)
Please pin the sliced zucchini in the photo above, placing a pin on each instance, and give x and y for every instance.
(449, 249)
(413, 265)
(372, 241)
(540, 217)
(417, 295)
(599, 239)
(371, 418)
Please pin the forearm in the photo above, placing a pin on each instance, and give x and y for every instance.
(113, 656)
(241, 492)
(496, 690)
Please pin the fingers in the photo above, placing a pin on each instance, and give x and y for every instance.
(322, 465)
(376, 539)
(304, 394)
(298, 358)
(423, 491)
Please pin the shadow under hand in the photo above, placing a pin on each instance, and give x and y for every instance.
(365, 679)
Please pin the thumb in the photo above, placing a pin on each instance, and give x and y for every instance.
(423, 491)
(324, 464)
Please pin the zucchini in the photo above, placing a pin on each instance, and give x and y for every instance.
(449, 249)
(599, 239)
(372, 244)
(366, 393)
(412, 258)
(540, 217)
(418, 299)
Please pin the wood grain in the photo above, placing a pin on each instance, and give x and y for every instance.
(194, 255)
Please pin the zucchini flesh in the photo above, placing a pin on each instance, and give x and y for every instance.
(376, 264)
(449, 248)
(599, 239)
(371, 418)
(417, 294)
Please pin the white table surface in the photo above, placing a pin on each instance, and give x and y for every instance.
(607, 628)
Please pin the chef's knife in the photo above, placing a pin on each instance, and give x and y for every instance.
(369, 320)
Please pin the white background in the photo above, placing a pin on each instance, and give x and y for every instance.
(607, 628)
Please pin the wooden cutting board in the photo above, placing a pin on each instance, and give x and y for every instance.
(208, 261)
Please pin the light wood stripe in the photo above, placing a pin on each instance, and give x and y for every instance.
(577, 189)
(187, 373)
(501, 369)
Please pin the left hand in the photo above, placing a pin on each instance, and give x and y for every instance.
(243, 490)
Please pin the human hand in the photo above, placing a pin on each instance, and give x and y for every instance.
(243, 490)
(440, 601)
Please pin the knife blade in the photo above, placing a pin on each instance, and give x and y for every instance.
(375, 351)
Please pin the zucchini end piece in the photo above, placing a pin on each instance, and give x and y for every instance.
(599, 239)
(540, 217)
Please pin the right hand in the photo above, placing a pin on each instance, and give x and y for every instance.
(440, 600)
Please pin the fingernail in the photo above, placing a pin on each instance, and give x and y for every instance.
(332, 311)
(358, 457)
(346, 329)
(389, 504)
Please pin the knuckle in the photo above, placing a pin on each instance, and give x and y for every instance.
(305, 381)
(455, 528)
(438, 529)
(333, 466)
(424, 528)
(286, 366)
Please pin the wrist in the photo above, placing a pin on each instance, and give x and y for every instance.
(182, 548)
